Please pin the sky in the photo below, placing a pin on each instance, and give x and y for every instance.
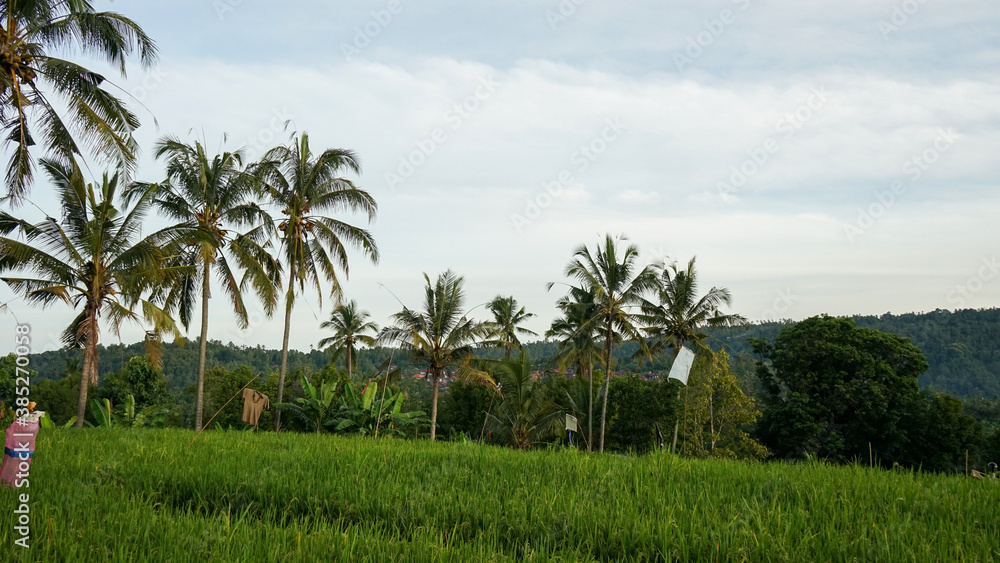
(816, 157)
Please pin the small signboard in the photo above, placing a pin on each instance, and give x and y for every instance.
(570, 423)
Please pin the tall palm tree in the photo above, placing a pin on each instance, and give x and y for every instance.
(618, 285)
(350, 326)
(30, 31)
(441, 335)
(211, 195)
(507, 318)
(306, 186)
(91, 258)
(678, 315)
(576, 335)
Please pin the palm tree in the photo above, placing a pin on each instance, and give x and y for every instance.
(350, 326)
(506, 320)
(91, 258)
(576, 333)
(29, 31)
(441, 335)
(305, 186)
(524, 416)
(679, 314)
(212, 196)
(611, 275)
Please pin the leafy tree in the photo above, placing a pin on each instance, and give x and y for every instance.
(832, 388)
(464, 408)
(717, 413)
(141, 380)
(524, 415)
(507, 318)
(617, 284)
(439, 336)
(941, 434)
(31, 31)
(91, 258)
(576, 334)
(636, 408)
(57, 397)
(210, 196)
(306, 185)
(350, 327)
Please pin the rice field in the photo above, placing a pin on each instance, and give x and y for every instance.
(142, 495)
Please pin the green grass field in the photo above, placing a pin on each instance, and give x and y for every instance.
(141, 495)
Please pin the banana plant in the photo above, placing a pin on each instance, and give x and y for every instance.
(317, 406)
(367, 412)
(102, 413)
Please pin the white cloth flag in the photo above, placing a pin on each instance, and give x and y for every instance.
(682, 365)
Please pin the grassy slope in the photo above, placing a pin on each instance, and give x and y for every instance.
(119, 495)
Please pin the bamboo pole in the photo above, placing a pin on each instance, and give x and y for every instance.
(220, 410)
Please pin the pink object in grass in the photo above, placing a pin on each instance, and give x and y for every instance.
(19, 450)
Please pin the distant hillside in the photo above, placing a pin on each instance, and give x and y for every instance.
(962, 347)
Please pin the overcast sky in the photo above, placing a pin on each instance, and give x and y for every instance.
(816, 157)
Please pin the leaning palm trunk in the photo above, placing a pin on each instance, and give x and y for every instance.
(202, 348)
(284, 353)
(609, 343)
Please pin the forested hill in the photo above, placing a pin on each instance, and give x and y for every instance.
(962, 347)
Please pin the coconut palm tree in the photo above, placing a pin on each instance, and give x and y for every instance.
(507, 318)
(441, 335)
(576, 334)
(30, 32)
(618, 285)
(212, 195)
(350, 326)
(678, 315)
(524, 415)
(91, 259)
(306, 186)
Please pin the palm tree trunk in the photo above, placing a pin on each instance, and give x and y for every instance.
(590, 415)
(202, 348)
(608, 345)
(348, 360)
(436, 376)
(89, 368)
(289, 300)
